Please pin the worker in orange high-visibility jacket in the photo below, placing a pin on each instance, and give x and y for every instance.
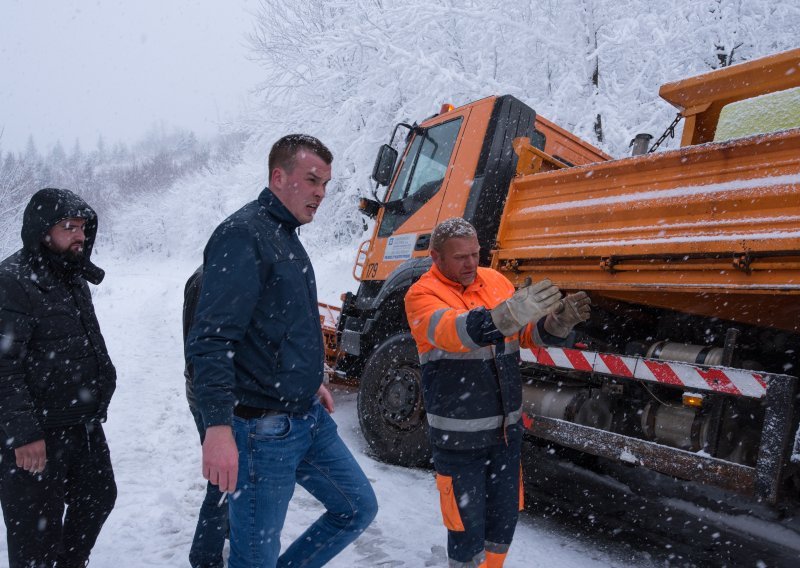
(469, 323)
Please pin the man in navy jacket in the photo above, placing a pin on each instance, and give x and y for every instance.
(257, 351)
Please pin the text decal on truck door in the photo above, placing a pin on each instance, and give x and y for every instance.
(399, 247)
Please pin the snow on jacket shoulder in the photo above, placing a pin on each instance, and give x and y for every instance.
(470, 371)
(256, 338)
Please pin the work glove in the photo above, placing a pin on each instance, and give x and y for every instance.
(529, 303)
(573, 309)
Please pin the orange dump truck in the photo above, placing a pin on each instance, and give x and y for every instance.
(691, 258)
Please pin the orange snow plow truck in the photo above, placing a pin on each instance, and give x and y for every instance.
(691, 257)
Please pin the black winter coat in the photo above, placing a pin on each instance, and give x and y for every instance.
(54, 367)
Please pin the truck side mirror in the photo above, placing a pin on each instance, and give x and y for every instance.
(369, 207)
(384, 165)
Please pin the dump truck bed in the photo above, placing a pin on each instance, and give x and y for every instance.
(712, 229)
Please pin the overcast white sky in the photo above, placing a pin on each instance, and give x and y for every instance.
(77, 69)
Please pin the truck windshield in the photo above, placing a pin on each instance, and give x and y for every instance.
(421, 174)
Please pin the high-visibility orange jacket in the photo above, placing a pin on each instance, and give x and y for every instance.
(470, 372)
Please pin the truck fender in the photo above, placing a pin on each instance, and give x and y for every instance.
(399, 280)
(381, 313)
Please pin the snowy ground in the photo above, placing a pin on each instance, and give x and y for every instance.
(156, 456)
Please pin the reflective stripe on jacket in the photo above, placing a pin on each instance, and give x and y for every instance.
(470, 371)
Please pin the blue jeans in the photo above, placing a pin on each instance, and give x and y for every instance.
(212, 523)
(276, 452)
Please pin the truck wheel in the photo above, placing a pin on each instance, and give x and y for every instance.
(390, 408)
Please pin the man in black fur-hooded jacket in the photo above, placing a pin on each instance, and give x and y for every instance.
(56, 381)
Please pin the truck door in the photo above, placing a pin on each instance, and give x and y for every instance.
(457, 164)
(412, 205)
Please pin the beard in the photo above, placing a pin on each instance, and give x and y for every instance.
(73, 256)
(65, 263)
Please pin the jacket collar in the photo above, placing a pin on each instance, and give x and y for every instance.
(457, 287)
(40, 272)
(277, 209)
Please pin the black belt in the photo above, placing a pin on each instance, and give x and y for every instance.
(249, 412)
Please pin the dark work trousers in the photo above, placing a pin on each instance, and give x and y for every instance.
(77, 474)
(480, 498)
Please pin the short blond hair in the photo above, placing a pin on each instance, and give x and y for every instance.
(453, 228)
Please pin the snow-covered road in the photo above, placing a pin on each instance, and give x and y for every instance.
(156, 456)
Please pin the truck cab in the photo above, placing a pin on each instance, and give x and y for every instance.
(457, 163)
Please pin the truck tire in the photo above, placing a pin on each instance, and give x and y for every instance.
(390, 408)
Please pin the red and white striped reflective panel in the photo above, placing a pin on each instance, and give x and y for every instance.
(723, 380)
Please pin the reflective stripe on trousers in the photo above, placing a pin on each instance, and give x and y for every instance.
(473, 424)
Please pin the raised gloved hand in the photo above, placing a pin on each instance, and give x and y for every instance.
(576, 308)
(528, 304)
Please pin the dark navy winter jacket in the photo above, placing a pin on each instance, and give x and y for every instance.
(256, 339)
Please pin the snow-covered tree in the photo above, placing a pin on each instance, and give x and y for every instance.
(347, 72)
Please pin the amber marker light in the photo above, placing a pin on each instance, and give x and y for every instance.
(446, 107)
(694, 400)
